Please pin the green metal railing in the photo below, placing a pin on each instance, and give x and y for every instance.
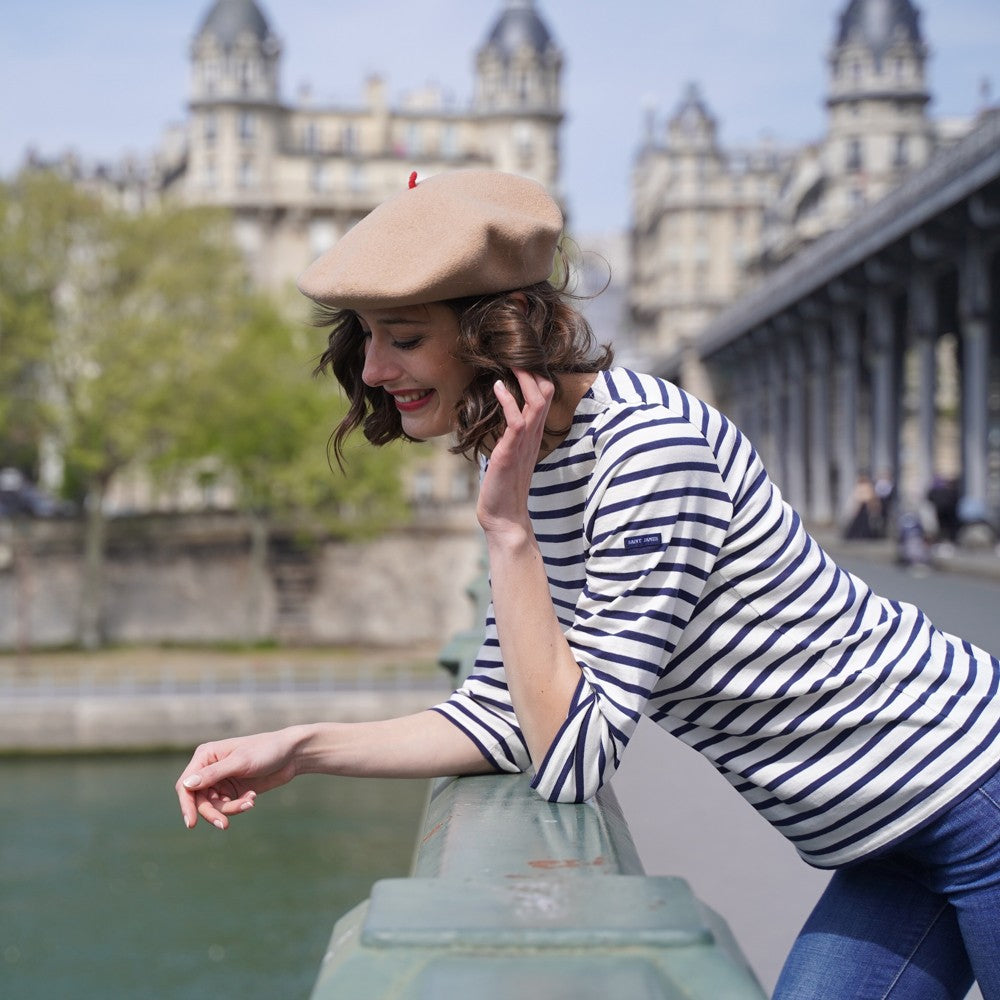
(512, 897)
(515, 897)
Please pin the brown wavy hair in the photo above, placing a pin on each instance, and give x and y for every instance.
(534, 328)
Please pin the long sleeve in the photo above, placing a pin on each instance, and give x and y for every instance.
(628, 538)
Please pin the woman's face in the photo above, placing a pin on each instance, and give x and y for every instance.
(409, 352)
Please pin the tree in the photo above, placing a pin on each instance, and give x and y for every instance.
(133, 340)
(43, 223)
(264, 423)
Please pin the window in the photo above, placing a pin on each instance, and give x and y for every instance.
(901, 156)
(462, 485)
(525, 142)
(414, 139)
(854, 158)
(423, 486)
(246, 126)
(321, 236)
(210, 76)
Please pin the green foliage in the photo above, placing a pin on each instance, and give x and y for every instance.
(133, 341)
(44, 223)
(267, 421)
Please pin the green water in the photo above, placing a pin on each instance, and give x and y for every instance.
(104, 894)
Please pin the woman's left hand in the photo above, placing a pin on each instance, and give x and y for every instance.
(503, 494)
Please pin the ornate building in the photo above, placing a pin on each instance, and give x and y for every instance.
(710, 222)
(297, 176)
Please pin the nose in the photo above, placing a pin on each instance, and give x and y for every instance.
(378, 367)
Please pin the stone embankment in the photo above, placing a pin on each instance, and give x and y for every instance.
(150, 699)
(208, 579)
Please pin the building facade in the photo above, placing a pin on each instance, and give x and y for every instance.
(298, 175)
(709, 222)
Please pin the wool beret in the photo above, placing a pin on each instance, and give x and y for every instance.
(468, 232)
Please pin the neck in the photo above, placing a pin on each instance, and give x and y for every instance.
(572, 388)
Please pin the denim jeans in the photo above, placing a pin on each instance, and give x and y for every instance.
(917, 923)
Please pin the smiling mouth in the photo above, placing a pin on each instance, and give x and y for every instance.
(407, 401)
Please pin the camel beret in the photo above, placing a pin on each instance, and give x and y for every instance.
(468, 232)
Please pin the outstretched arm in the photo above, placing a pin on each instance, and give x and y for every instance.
(223, 778)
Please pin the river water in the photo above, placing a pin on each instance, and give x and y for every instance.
(105, 894)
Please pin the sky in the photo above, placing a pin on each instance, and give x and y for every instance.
(105, 77)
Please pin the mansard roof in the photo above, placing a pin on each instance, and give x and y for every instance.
(878, 23)
(228, 20)
(517, 27)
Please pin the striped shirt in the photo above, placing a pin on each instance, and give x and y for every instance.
(690, 592)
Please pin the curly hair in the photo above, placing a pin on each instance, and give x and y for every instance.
(532, 328)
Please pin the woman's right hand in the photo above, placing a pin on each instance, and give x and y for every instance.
(223, 778)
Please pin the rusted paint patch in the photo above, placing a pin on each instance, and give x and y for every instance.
(430, 833)
(549, 863)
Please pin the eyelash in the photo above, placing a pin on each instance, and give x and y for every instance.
(399, 345)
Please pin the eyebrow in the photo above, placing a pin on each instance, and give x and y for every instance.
(402, 321)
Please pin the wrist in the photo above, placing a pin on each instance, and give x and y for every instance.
(509, 538)
(310, 747)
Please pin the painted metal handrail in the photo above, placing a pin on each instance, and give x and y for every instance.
(512, 896)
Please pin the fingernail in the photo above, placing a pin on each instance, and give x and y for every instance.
(193, 782)
(220, 824)
(246, 806)
(187, 822)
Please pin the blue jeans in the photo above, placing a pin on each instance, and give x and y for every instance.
(917, 923)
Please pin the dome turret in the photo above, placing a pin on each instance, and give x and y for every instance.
(878, 129)
(519, 27)
(235, 55)
(692, 126)
(229, 21)
(518, 80)
(880, 24)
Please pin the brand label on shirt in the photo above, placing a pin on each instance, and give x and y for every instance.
(642, 543)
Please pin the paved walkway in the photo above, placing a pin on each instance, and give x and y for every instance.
(978, 562)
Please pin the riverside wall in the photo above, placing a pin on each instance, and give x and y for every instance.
(95, 723)
(194, 579)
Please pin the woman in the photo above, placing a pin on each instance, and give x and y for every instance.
(642, 562)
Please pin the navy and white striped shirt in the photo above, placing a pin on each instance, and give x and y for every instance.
(690, 593)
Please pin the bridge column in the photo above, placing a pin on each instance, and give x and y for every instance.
(788, 346)
(881, 331)
(846, 336)
(768, 368)
(974, 317)
(820, 459)
(745, 390)
(922, 313)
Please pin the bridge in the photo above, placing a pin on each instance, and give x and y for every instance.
(836, 363)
